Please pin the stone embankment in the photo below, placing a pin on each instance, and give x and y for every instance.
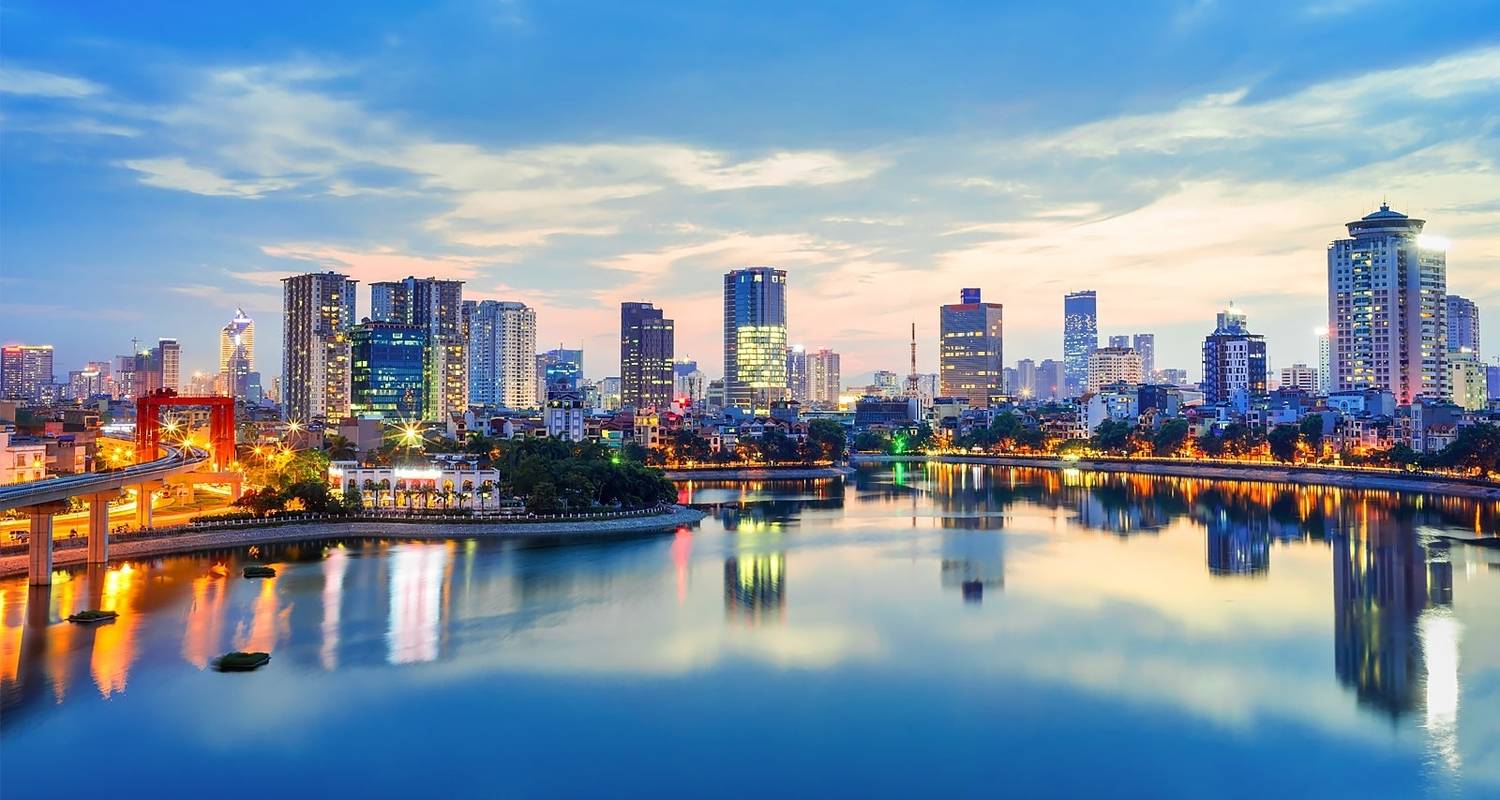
(1265, 473)
(188, 540)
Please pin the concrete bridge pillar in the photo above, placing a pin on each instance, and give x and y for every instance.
(99, 528)
(143, 505)
(39, 549)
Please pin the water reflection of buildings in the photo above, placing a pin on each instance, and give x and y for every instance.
(1384, 578)
(973, 561)
(755, 587)
(1236, 547)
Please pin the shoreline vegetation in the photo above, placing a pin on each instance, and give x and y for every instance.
(1305, 475)
(292, 529)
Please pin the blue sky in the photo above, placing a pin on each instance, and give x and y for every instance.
(164, 163)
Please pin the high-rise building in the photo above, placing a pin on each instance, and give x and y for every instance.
(24, 370)
(796, 373)
(1388, 309)
(1119, 341)
(689, 384)
(1298, 376)
(1234, 360)
(886, 383)
(1325, 360)
(559, 372)
(754, 337)
(1080, 336)
(1470, 379)
(1109, 365)
(646, 350)
(823, 378)
(1145, 346)
(970, 349)
(238, 334)
(387, 372)
(145, 375)
(502, 354)
(1026, 378)
(1051, 380)
(169, 359)
(317, 313)
(436, 306)
(1463, 325)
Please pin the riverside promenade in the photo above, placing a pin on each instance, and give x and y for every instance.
(196, 539)
(1344, 478)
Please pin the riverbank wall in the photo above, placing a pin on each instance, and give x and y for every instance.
(757, 473)
(191, 541)
(1265, 473)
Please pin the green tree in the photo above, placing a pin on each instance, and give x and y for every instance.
(1113, 436)
(871, 442)
(1312, 433)
(1283, 441)
(340, 448)
(1170, 437)
(826, 439)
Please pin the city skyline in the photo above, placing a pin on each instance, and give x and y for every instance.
(1114, 179)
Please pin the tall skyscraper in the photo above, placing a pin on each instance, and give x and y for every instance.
(502, 354)
(559, 372)
(688, 382)
(754, 337)
(1108, 365)
(796, 373)
(436, 306)
(387, 373)
(1119, 341)
(1080, 336)
(823, 379)
(24, 370)
(1463, 325)
(238, 334)
(169, 359)
(970, 352)
(1026, 378)
(646, 350)
(1388, 309)
(1145, 347)
(317, 313)
(1234, 360)
(1051, 380)
(1325, 360)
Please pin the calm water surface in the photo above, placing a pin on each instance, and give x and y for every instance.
(937, 631)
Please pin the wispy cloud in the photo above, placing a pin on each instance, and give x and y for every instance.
(19, 81)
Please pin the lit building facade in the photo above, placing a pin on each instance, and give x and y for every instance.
(437, 307)
(1463, 325)
(1470, 380)
(823, 378)
(502, 354)
(1298, 376)
(1111, 365)
(1080, 336)
(237, 336)
(797, 384)
(24, 370)
(169, 358)
(387, 373)
(1325, 361)
(317, 313)
(755, 337)
(1234, 360)
(1145, 347)
(646, 351)
(1388, 309)
(970, 349)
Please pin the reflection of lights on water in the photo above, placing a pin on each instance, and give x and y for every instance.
(416, 602)
(1440, 634)
(333, 600)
